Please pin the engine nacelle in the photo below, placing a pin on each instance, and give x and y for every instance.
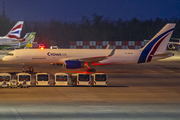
(73, 64)
(171, 46)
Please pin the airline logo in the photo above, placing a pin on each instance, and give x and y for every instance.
(16, 30)
(56, 54)
(151, 48)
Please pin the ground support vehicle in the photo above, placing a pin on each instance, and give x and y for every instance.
(5, 79)
(24, 79)
(80, 79)
(99, 79)
(42, 79)
(61, 79)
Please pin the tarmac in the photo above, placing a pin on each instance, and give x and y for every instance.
(140, 91)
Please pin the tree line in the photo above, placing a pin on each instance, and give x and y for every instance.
(100, 28)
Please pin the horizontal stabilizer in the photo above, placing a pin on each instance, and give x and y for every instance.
(163, 55)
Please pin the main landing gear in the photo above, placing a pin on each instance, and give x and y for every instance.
(28, 69)
(90, 69)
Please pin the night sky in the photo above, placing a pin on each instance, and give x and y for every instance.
(72, 10)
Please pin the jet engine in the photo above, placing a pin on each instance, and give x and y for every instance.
(73, 64)
(171, 46)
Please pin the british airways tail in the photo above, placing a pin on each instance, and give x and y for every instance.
(157, 44)
(15, 32)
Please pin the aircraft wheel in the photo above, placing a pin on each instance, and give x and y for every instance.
(93, 70)
(89, 70)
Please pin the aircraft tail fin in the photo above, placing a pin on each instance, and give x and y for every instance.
(157, 44)
(15, 32)
(28, 40)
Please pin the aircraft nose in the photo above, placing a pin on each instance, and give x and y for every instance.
(4, 59)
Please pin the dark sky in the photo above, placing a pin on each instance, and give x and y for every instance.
(72, 10)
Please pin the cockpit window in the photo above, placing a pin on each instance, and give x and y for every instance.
(10, 54)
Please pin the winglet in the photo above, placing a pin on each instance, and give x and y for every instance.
(112, 52)
(108, 46)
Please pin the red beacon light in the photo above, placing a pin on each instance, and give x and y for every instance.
(42, 48)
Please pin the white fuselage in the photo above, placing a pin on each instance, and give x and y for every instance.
(8, 41)
(121, 56)
(72, 58)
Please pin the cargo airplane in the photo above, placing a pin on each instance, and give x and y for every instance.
(155, 49)
(13, 37)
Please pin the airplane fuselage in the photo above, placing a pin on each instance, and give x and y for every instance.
(121, 56)
(8, 41)
(79, 58)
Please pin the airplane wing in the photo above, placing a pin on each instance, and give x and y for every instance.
(175, 43)
(108, 46)
(175, 38)
(96, 58)
(163, 54)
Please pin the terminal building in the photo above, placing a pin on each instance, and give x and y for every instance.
(104, 44)
(117, 44)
